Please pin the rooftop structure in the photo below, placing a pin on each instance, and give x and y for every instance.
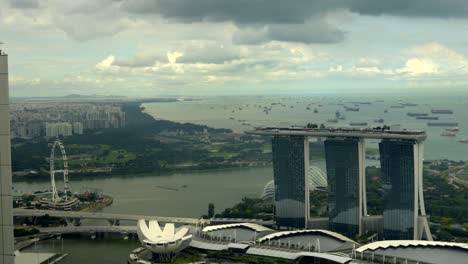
(374, 133)
(414, 251)
(240, 232)
(294, 232)
(254, 227)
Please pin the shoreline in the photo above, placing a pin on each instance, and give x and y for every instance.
(146, 174)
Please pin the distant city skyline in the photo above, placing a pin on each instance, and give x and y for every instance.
(212, 47)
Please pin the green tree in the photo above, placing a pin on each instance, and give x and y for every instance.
(211, 209)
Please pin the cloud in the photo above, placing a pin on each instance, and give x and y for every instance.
(434, 58)
(435, 50)
(240, 11)
(417, 66)
(318, 32)
(413, 8)
(286, 12)
(106, 63)
(173, 56)
(138, 61)
(24, 4)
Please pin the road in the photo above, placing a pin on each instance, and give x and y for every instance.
(105, 216)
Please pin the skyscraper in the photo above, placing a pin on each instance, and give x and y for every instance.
(399, 184)
(344, 203)
(290, 165)
(6, 203)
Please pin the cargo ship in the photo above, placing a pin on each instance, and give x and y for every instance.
(465, 140)
(358, 124)
(453, 129)
(428, 117)
(409, 104)
(450, 124)
(448, 134)
(351, 109)
(416, 114)
(441, 111)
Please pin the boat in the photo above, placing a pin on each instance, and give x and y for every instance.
(409, 104)
(358, 124)
(332, 120)
(385, 111)
(397, 106)
(428, 117)
(307, 108)
(449, 124)
(379, 120)
(315, 110)
(453, 129)
(416, 114)
(351, 109)
(448, 134)
(337, 114)
(465, 140)
(441, 111)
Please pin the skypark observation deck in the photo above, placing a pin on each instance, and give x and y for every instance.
(370, 133)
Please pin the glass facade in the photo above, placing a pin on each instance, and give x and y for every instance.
(342, 157)
(397, 167)
(290, 164)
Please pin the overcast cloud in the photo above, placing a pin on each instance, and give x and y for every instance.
(151, 47)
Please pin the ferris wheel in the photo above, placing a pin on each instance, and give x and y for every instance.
(63, 170)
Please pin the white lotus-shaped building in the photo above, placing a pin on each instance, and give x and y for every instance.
(163, 243)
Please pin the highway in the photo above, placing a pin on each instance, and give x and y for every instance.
(105, 216)
(88, 229)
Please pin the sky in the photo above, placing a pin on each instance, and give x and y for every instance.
(222, 47)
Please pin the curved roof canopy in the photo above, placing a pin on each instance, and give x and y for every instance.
(251, 226)
(305, 232)
(316, 178)
(410, 243)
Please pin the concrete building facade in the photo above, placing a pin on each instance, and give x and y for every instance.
(6, 202)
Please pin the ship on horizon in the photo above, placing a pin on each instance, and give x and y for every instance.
(442, 111)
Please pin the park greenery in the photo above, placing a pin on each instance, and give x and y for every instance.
(145, 145)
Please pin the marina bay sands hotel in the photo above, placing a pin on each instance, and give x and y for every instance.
(401, 157)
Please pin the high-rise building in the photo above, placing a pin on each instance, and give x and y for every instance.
(343, 157)
(290, 165)
(401, 155)
(78, 128)
(65, 129)
(58, 129)
(6, 202)
(400, 178)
